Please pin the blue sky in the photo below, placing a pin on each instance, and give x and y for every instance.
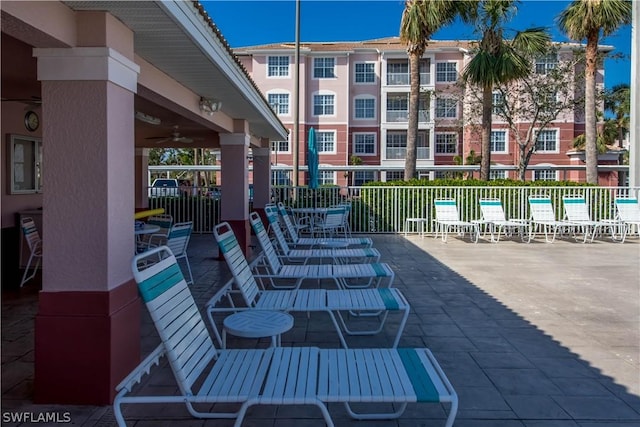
(246, 23)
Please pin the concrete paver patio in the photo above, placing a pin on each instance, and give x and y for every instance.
(544, 335)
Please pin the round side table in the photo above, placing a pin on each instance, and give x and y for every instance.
(257, 324)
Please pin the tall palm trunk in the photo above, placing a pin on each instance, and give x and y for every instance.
(414, 104)
(591, 149)
(485, 151)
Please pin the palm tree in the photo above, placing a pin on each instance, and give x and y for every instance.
(589, 19)
(618, 102)
(420, 20)
(499, 61)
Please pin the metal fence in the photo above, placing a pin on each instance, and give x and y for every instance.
(385, 209)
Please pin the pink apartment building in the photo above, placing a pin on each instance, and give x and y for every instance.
(356, 94)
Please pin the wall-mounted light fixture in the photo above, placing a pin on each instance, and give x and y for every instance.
(209, 106)
(147, 118)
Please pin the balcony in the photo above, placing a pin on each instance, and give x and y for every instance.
(403, 79)
(400, 153)
(402, 116)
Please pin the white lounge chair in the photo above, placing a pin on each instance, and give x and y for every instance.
(543, 216)
(337, 255)
(577, 212)
(178, 242)
(357, 302)
(34, 243)
(494, 218)
(317, 241)
(629, 215)
(447, 219)
(374, 274)
(274, 376)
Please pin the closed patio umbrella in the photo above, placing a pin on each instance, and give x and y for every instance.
(312, 159)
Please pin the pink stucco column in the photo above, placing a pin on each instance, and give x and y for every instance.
(261, 179)
(234, 150)
(87, 335)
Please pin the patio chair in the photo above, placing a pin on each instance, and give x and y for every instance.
(159, 238)
(629, 215)
(178, 242)
(543, 216)
(272, 271)
(577, 212)
(296, 240)
(273, 376)
(346, 222)
(447, 218)
(494, 218)
(330, 224)
(356, 302)
(337, 255)
(34, 243)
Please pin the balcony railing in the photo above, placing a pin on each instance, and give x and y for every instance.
(397, 79)
(402, 116)
(384, 209)
(403, 79)
(400, 153)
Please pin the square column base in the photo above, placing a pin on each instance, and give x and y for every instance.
(85, 344)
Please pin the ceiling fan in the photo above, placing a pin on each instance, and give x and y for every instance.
(174, 137)
(34, 101)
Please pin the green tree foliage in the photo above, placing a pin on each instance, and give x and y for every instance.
(591, 20)
(499, 60)
(617, 101)
(420, 20)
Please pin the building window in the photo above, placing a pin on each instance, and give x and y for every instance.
(397, 146)
(395, 176)
(424, 69)
(547, 140)
(546, 63)
(280, 178)
(442, 175)
(365, 108)
(326, 177)
(398, 73)
(26, 165)
(280, 146)
(324, 68)
(545, 175)
(495, 174)
(498, 103)
(326, 142)
(446, 108)
(398, 107)
(323, 105)
(498, 141)
(446, 71)
(548, 102)
(364, 144)
(279, 102)
(446, 143)
(362, 177)
(278, 66)
(365, 72)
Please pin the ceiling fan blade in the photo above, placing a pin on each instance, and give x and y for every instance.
(161, 140)
(184, 139)
(158, 137)
(35, 100)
